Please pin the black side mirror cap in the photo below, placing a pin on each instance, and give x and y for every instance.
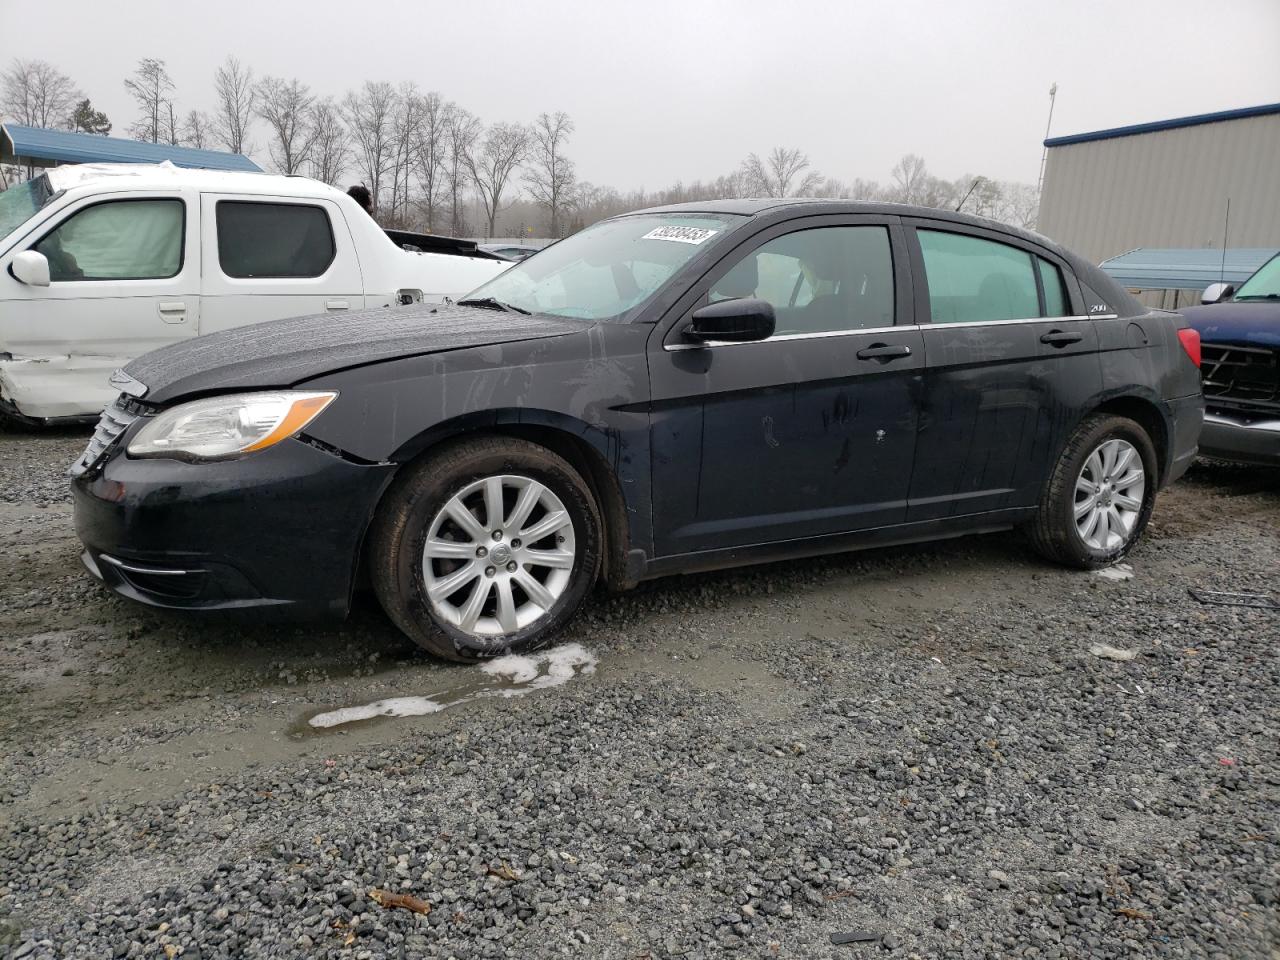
(743, 320)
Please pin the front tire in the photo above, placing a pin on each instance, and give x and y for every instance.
(1099, 496)
(486, 547)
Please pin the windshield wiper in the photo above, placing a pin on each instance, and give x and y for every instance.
(492, 303)
(1258, 296)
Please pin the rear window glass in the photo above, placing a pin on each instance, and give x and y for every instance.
(273, 239)
(972, 280)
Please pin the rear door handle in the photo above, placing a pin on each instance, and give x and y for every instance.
(884, 352)
(172, 311)
(1060, 338)
(335, 304)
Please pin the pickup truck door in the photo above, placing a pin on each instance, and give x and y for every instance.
(124, 280)
(271, 257)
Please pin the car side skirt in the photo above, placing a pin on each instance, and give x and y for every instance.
(897, 535)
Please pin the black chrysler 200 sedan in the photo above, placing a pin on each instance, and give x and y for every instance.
(682, 388)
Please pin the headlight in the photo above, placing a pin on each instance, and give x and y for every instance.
(223, 427)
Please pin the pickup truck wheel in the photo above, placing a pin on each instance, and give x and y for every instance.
(1099, 497)
(486, 547)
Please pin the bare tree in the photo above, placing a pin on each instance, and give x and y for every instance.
(36, 94)
(463, 132)
(503, 149)
(169, 132)
(286, 107)
(150, 86)
(782, 174)
(329, 143)
(197, 130)
(431, 154)
(406, 119)
(551, 179)
(234, 88)
(368, 114)
(910, 176)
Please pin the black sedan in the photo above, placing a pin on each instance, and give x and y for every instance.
(676, 389)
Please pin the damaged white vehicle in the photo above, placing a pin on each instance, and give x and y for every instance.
(100, 263)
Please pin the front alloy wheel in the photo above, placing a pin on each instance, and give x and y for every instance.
(498, 555)
(485, 546)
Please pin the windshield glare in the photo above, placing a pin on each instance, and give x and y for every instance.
(20, 201)
(607, 269)
(1264, 284)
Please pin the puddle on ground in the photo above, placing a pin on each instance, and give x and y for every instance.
(509, 676)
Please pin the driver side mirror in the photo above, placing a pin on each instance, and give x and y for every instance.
(1217, 292)
(32, 268)
(732, 321)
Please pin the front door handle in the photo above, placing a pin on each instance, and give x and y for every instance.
(884, 352)
(335, 304)
(1060, 338)
(172, 311)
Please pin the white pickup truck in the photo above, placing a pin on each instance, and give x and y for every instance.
(100, 263)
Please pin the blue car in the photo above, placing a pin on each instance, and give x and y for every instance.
(1240, 367)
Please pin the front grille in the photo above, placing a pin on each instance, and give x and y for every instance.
(1242, 377)
(113, 422)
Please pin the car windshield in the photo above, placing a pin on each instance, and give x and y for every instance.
(20, 201)
(605, 270)
(1263, 285)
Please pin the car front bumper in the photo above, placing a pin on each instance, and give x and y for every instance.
(276, 534)
(1230, 435)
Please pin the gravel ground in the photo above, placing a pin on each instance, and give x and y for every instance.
(916, 745)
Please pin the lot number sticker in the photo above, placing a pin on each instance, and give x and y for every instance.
(680, 234)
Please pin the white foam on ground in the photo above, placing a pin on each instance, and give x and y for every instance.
(512, 676)
(1121, 571)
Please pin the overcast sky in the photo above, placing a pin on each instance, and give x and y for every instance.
(663, 91)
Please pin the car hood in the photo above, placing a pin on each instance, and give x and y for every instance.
(1254, 323)
(281, 353)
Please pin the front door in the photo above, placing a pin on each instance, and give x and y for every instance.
(810, 432)
(123, 280)
(271, 257)
(1003, 360)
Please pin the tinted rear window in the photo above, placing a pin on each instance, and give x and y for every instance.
(273, 239)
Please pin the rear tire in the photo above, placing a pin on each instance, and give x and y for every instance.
(485, 547)
(1099, 496)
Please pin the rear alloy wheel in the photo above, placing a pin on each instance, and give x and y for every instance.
(485, 547)
(1100, 495)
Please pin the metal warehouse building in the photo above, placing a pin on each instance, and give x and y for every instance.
(1166, 184)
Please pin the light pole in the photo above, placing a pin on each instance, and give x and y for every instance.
(1053, 93)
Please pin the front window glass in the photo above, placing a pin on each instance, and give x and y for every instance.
(118, 240)
(971, 279)
(20, 201)
(607, 269)
(818, 281)
(273, 239)
(1263, 285)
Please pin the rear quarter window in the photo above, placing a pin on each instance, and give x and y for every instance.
(273, 239)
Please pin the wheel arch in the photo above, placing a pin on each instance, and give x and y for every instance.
(1148, 414)
(586, 448)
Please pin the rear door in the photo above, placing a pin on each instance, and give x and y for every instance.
(124, 279)
(270, 257)
(1009, 363)
(810, 432)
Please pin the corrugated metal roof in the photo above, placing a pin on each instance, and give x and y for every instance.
(43, 146)
(1195, 121)
(1179, 268)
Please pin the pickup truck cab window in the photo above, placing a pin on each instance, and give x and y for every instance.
(273, 239)
(823, 280)
(117, 240)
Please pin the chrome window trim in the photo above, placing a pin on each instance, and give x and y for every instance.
(782, 337)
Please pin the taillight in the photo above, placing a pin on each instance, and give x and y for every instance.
(1190, 340)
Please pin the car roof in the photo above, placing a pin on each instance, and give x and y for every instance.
(812, 206)
(162, 176)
